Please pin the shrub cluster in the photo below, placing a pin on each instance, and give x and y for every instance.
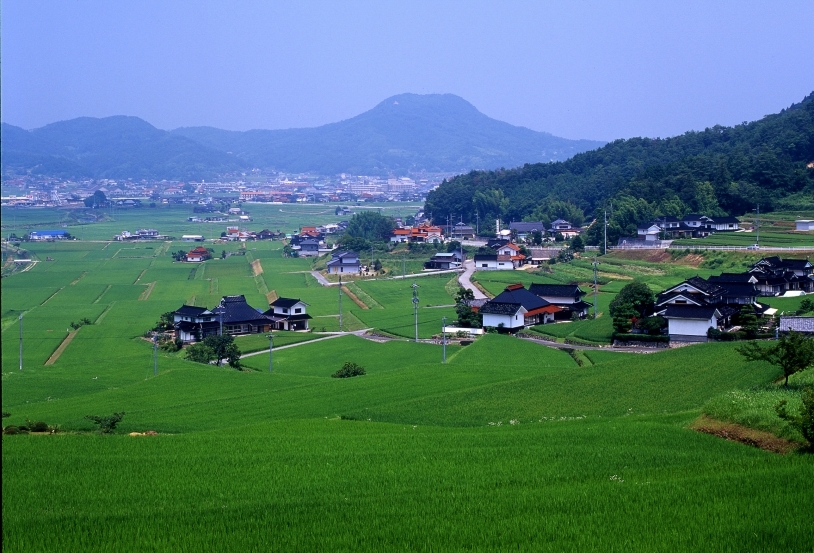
(107, 424)
(348, 370)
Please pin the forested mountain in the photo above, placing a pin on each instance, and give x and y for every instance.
(408, 132)
(111, 147)
(716, 171)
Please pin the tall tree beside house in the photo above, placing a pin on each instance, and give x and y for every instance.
(635, 300)
(463, 307)
(370, 226)
(224, 347)
(577, 244)
(792, 352)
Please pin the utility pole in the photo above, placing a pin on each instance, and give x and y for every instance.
(271, 344)
(477, 223)
(444, 330)
(757, 241)
(415, 308)
(155, 354)
(340, 303)
(403, 264)
(595, 287)
(20, 319)
(605, 248)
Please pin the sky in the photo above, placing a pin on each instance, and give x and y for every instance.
(578, 69)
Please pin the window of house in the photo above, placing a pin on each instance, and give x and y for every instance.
(298, 310)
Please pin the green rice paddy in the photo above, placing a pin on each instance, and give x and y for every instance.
(509, 445)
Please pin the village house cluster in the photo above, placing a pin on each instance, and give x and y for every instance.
(234, 316)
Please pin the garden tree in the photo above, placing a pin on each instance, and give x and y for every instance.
(806, 306)
(200, 353)
(804, 420)
(97, 199)
(165, 322)
(565, 255)
(371, 226)
(180, 255)
(652, 325)
(377, 265)
(224, 347)
(635, 300)
(748, 320)
(536, 237)
(453, 246)
(792, 352)
(577, 244)
(354, 243)
(463, 307)
(223, 254)
(409, 221)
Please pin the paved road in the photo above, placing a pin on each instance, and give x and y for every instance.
(322, 280)
(463, 280)
(331, 336)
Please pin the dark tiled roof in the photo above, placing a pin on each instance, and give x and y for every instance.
(285, 302)
(527, 227)
(485, 257)
(666, 298)
(731, 277)
(190, 311)
(235, 309)
(496, 308)
(725, 220)
(707, 287)
(522, 297)
(739, 290)
(570, 290)
(689, 312)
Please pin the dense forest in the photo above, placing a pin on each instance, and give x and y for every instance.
(717, 171)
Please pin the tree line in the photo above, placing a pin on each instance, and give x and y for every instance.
(717, 171)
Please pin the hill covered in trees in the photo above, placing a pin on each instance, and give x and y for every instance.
(111, 147)
(720, 170)
(408, 132)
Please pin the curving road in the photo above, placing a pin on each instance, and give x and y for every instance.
(463, 280)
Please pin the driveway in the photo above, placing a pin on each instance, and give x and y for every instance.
(463, 280)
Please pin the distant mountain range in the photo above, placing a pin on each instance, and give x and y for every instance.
(405, 133)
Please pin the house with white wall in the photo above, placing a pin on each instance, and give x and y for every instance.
(690, 323)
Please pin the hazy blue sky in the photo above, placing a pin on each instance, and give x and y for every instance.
(577, 69)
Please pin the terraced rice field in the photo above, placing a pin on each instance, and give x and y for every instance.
(509, 445)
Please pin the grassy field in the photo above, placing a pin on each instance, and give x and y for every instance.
(510, 445)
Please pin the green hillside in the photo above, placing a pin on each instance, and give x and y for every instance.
(720, 170)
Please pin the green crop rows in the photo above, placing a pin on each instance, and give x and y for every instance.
(510, 445)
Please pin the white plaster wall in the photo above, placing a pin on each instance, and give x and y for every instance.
(691, 327)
